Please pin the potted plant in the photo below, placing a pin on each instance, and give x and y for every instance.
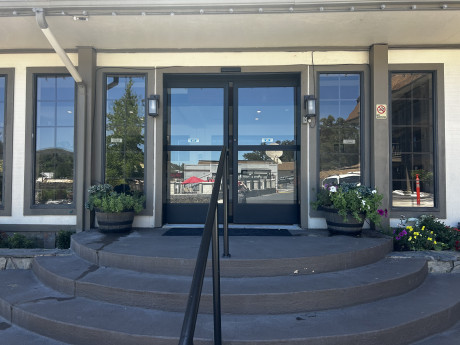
(114, 211)
(348, 205)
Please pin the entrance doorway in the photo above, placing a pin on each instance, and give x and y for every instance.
(257, 118)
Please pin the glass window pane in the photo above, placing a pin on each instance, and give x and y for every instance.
(64, 138)
(339, 128)
(65, 89)
(266, 115)
(191, 176)
(54, 177)
(45, 138)
(54, 145)
(412, 139)
(196, 116)
(65, 114)
(125, 121)
(46, 88)
(46, 113)
(267, 177)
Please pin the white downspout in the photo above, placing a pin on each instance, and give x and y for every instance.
(40, 17)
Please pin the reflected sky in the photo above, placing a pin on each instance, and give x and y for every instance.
(265, 115)
(55, 112)
(339, 94)
(196, 116)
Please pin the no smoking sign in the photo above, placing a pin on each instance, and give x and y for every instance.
(381, 111)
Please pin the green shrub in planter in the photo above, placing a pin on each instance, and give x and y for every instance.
(103, 198)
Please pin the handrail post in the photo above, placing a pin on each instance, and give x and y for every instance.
(211, 230)
(216, 282)
(225, 204)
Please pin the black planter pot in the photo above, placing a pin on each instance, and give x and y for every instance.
(115, 222)
(337, 226)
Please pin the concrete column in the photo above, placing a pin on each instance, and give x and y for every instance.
(85, 115)
(379, 123)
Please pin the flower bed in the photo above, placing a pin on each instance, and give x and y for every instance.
(428, 233)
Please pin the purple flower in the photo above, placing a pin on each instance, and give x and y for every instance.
(386, 213)
(381, 212)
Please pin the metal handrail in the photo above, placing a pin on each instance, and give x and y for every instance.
(211, 229)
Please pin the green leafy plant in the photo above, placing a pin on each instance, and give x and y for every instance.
(361, 202)
(16, 241)
(103, 198)
(428, 233)
(63, 239)
(3, 240)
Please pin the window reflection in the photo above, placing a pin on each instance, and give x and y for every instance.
(196, 116)
(191, 176)
(267, 177)
(412, 139)
(266, 115)
(125, 123)
(339, 128)
(54, 144)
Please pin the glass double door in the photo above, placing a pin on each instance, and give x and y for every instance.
(256, 118)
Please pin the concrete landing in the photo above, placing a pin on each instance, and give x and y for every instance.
(307, 252)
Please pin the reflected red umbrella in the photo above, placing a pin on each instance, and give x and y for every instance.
(193, 179)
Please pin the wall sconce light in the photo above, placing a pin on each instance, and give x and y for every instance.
(154, 103)
(310, 107)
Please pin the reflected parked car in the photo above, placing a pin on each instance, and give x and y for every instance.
(351, 177)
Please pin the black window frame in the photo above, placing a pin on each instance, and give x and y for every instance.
(105, 76)
(362, 122)
(30, 208)
(439, 208)
(6, 205)
(365, 132)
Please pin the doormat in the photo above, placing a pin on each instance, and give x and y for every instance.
(231, 232)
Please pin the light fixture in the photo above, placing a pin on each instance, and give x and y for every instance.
(154, 102)
(310, 107)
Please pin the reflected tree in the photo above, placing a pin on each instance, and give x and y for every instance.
(258, 155)
(124, 140)
(334, 154)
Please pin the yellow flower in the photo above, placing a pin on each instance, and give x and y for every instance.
(410, 238)
(431, 232)
(416, 233)
(435, 242)
(423, 227)
(409, 228)
(430, 239)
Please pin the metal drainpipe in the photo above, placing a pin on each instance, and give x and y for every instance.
(81, 110)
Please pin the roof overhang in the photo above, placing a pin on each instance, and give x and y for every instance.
(235, 25)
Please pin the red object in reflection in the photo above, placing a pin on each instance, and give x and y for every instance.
(417, 188)
(193, 179)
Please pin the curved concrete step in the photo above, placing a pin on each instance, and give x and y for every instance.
(251, 256)
(448, 337)
(249, 295)
(432, 307)
(14, 335)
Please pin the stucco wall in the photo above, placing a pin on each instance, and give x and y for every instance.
(450, 59)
